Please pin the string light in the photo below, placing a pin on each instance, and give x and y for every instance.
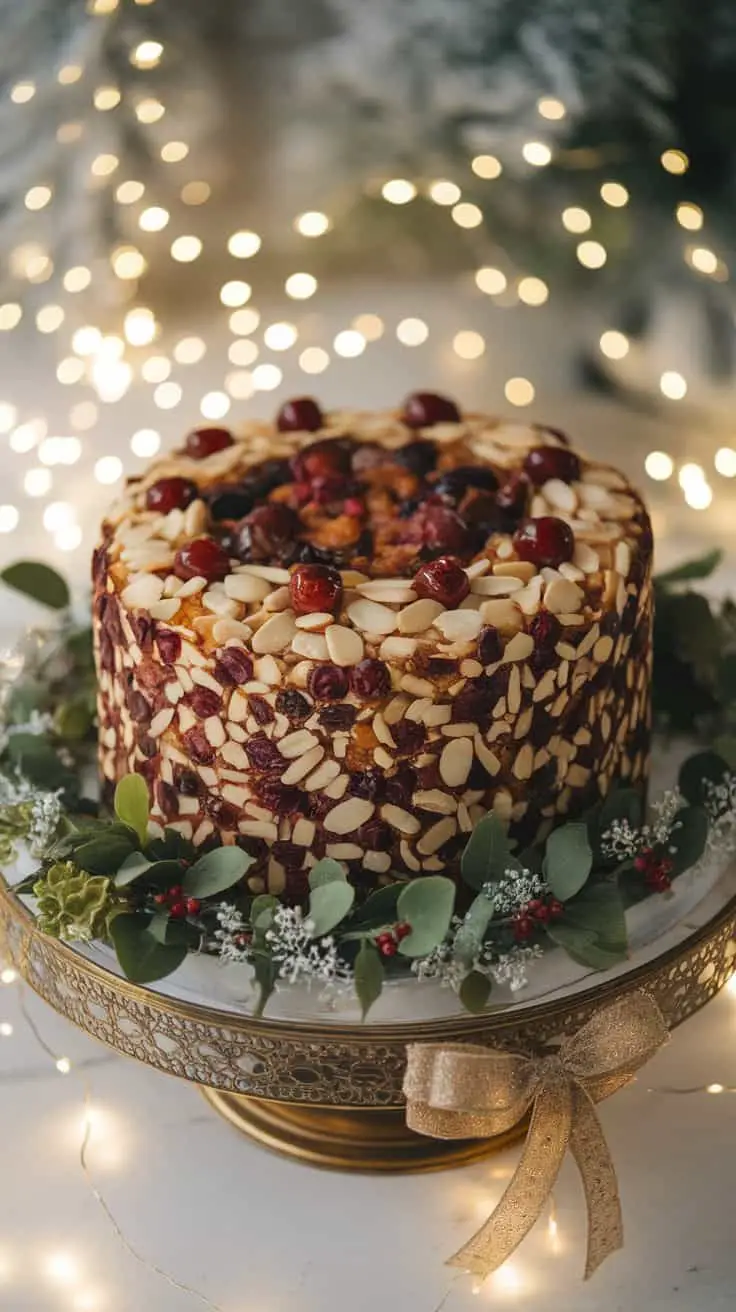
(702, 259)
(533, 291)
(239, 384)
(68, 538)
(156, 369)
(37, 198)
(106, 98)
(412, 332)
(145, 443)
(550, 107)
(149, 110)
(63, 1065)
(280, 336)
(591, 254)
(468, 345)
(129, 192)
(57, 515)
(614, 194)
(314, 360)
(77, 279)
(196, 193)
(725, 462)
(398, 191)
(267, 377)
(370, 326)
(68, 74)
(313, 223)
(10, 316)
(244, 322)
(49, 318)
(83, 415)
(244, 244)
(86, 340)
(140, 326)
(443, 192)
(614, 345)
(22, 92)
(243, 352)
(153, 219)
(235, 292)
(575, 219)
(214, 405)
(9, 519)
(186, 249)
(8, 416)
(349, 343)
(672, 385)
(536, 153)
(6, 1029)
(147, 54)
(674, 161)
(689, 216)
(300, 286)
(66, 133)
(487, 167)
(111, 379)
(128, 262)
(26, 436)
(519, 391)
(103, 165)
(70, 371)
(659, 466)
(60, 450)
(698, 495)
(8, 975)
(467, 215)
(491, 281)
(167, 396)
(173, 152)
(190, 350)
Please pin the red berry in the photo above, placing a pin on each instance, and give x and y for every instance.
(193, 906)
(658, 879)
(300, 415)
(523, 927)
(544, 541)
(330, 456)
(402, 930)
(161, 899)
(370, 679)
(170, 494)
(545, 462)
(387, 946)
(666, 866)
(543, 914)
(267, 533)
(643, 861)
(328, 683)
(490, 646)
(315, 588)
(555, 908)
(443, 580)
(204, 442)
(178, 910)
(203, 558)
(353, 506)
(424, 409)
(233, 666)
(444, 530)
(533, 908)
(176, 891)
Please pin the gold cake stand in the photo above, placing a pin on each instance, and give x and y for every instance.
(330, 1094)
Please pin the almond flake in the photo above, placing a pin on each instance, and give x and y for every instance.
(478, 568)
(397, 649)
(348, 816)
(217, 601)
(173, 692)
(586, 558)
(561, 496)
(419, 616)
(400, 819)
(304, 831)
(192, 586)
(322, 776)
(562, 595)
(195, 519)
(486, 756)
(502, 614)
(459, 625)
(437, 835)
(143, 592)
(522, 766)
(437, 715)
(408, 857)
(234, 755)
(513, 696)
(433, 799)
(276, 634)
(311, 645)
(345, 646)
(297, 743)
(603, 649)
(518, 648)
(497, 585)
(272, 573)
(382, 758)
(187, 719)
(165, 610)
(377, 862)
(161, 722)
(205, 680)
(225, 629)
(572, 572)
(419, 687)
(191, 655)
(455, 762)
(214, 731)
(462, 729)
(372, 617)
(246, 587)
(236, 796)
(259, 829)
(301, 767)
(337, 788)
(622, 559)
(278, 600)
(316, 622)
(397, 591)
(344, 851)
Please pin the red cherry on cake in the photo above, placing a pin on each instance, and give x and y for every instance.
(203, 442)
(443, 580)
(203, 558)
(267, 533)
(170, 494)
(544, 541)
(511, 496)
(300, 415)
(324, 459)
(370, 679)
(424, 409)
(314, 588)
(444, 530)
(545, 462)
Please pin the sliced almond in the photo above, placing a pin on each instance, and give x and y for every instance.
(397, 649)
(315, 623)
(398, 818)
(214, 731)
(602, 649)
(322, 776)
(586, 558)
(503, 615)
(459, 625)
(396, 591)
(165, 610)
(246, 587)
(455, 762)
(192, 586)
(303, 765)
(161, 721)
(433, 799)
(276, 634)
(280, 599)
(372, 617)
(478, 568)
(522, 766)
(486, 757)
(562, 595)
(419, 616)
(267, 671)
(303, 832)
(311, 645)
(143, 592)
(519, 648)
(378, 862)
(195, 519)
(272, 573)
(234, 755)
(497, 585)
(348, 816)
(297, 743)
(622, 559)
(225, 629)
(259, 829)
(437, 835)
(561, 496)
(217, 601)
(344, 646)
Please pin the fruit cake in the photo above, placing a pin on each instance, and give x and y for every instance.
(352, 634)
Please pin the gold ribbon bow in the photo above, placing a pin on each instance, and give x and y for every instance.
(460, 1091)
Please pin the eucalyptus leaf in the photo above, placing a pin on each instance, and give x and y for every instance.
(142, 957)
(427, 904)
(583, 948)
(132, 868)
(369, 976)
(701, 567)
(620, 804)
(103, 855)
(475, 991)
(329, 904)
(699, 770)
(39, 582)
(687, 841)
(39, 761)
(266, 973)
(469, 937)
(261, 915)
(216, 871)
(597, 917)
(326, 871)
(379, 908)
(173, 846)
(487, 853)
(568, 860)
(132, 804)
(158, 925)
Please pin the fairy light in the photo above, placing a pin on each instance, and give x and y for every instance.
(146, 442)
(108, 469)
(149, 110)
(77, 279)
(468, 345)
(591, 254)
(674, 161)
(190, 350)
(147, 54)
(551, 108)
(129, 192)
(156, 369)
(214, 405)
(8, 416)
(103, 165)
(412, 332)
(70, 371)
(9, 518)
(173, 152)
(702, 259)
(106, 98)
(659, 466)
(243, 322)
(6, 1029)
(280, 336)
(349, 343)
(689, 216)
(111, 347)
(22, 92)
(467, 215)
(49, 318)
(614, 345)
(39, 267)
(68, 538)
(486, 167)
(576, 219)
(314, 360)
(370, 326)
(128, 262)
(153, 219)
(37, 198)
(444, 192)
(10, 316)
(300, 286)
(111, 379)
(63, 1065)
(519, 391)
(267, 377)
(243, 351)
(715, 1088)
(398, 191)
(614, 194)
(8, 975)
(84, 415)
(235, 292)
(536, 153)
(533, 291)
(672, 385)
(60, 450)
(61, 1268)
(507, 1279)
(313, 223)
(167, 396)
(140, 326)
(185, 249)
(698, 495)
(86, 340)
(690, 475)
(69, 74)
(196, 193)
(725, 462)
(244, 244)
(239, 384)
(66, 133)
(26, 436)
(491, 281)
(102, 6)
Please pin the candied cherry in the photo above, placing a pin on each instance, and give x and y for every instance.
(545, 462)
(544, 541)
(424, 409)
(203, 442)
(454, 483)
(444, 530)
(299, 415)
(419, 457)
(170, 494)
(370, 679)
(203, 558)
(511, 496)
(267, 533)
(323, 459)
(328, 683)
(490, 645)
(443, 580)
(314, 588)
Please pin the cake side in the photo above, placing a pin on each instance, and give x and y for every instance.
(352, 635)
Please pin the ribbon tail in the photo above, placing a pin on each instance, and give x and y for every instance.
(534, 1179)
(590, 1150)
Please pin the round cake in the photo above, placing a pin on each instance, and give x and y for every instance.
(353, 634)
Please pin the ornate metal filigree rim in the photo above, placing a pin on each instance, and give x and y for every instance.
(329, 1064)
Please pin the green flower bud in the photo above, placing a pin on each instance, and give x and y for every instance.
(74, 905)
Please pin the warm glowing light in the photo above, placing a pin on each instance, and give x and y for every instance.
(186, 249)
(536, 153)
(280, 336)
(147, 54)
(83, 415)
(487, 166)
(196, 193)
(146, 442)
(576, 219)
(725, 461)
(702, 259)
(243, 351)
(156, 369)
(313, 223)
(8, 416)
(173, 152)
(10, 316)
(672, 385)
(412, 332)
(22, 92)
(68, 74)
(86, 340)
(244, 322)
(551, 108)
(153, 219)
(659, 466)
(8, 975)
(68, 132)
(70, 371)
(698, 495)
(149, 111)
(239, 384)
(68, 538)
(26, 436)
(39, 267)
(266, 377)
(111, 379)
(533, 291)
(507, 1279)
(60, 450)
(615, 194)
(689, 216)
(127, 262)
(398, 191)
(214, 405)
(62, 1268)
(300, 286)
(244, 244)
(235, 292)
(614, 345)
(37, 482)
(37, 197)
(519, 391)
(468, 345)
(730, 986)
(57, 515)
(140, 326)
(349, 343)
(63, 1065)
(106, 98)
(370, 326)
(6, 1029)
(167, 396)
(314, 360)
(466, 215)
(443, 192)
(674, 161)
(189, 350)
(77, 279)
(690, 474)
(49, 318)
(103, 165)
(591, 254)
(714, 1088)
(109, 469)
(491, 281)
(102, 6)
(129, 192)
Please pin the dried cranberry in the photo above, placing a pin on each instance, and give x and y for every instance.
(228, 502)
(376, 836)
(475, 702)
(341, 716)
(233, 666)
(278, 797)
(490, 645)
(99, 563)
(482, 515)
(260, 710)
(545, 462)
(198, 747)
(289, 854)
(408, 736)
(418, 457)
(293, 704)
(267, 533)
(370, 679)
(544, 541)
(328, 683)
(187, 782)
(444, 530)
(424, 409)
(263, 754)
(167, 799)
(147, 746)
(170, 494)
(142, 626)
(221, 811)
(315, 588)
(545, 629)
(111, 622)
(138, 707)
(203, 558)
(300, 415)
(204, 702)
(443, 580)
(169, 646)
(454, 483)
(401, 785)
(203, 442)
(511, 498)
(325, 459)
(367, 783)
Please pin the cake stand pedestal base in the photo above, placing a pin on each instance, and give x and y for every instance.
(345, 1139)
